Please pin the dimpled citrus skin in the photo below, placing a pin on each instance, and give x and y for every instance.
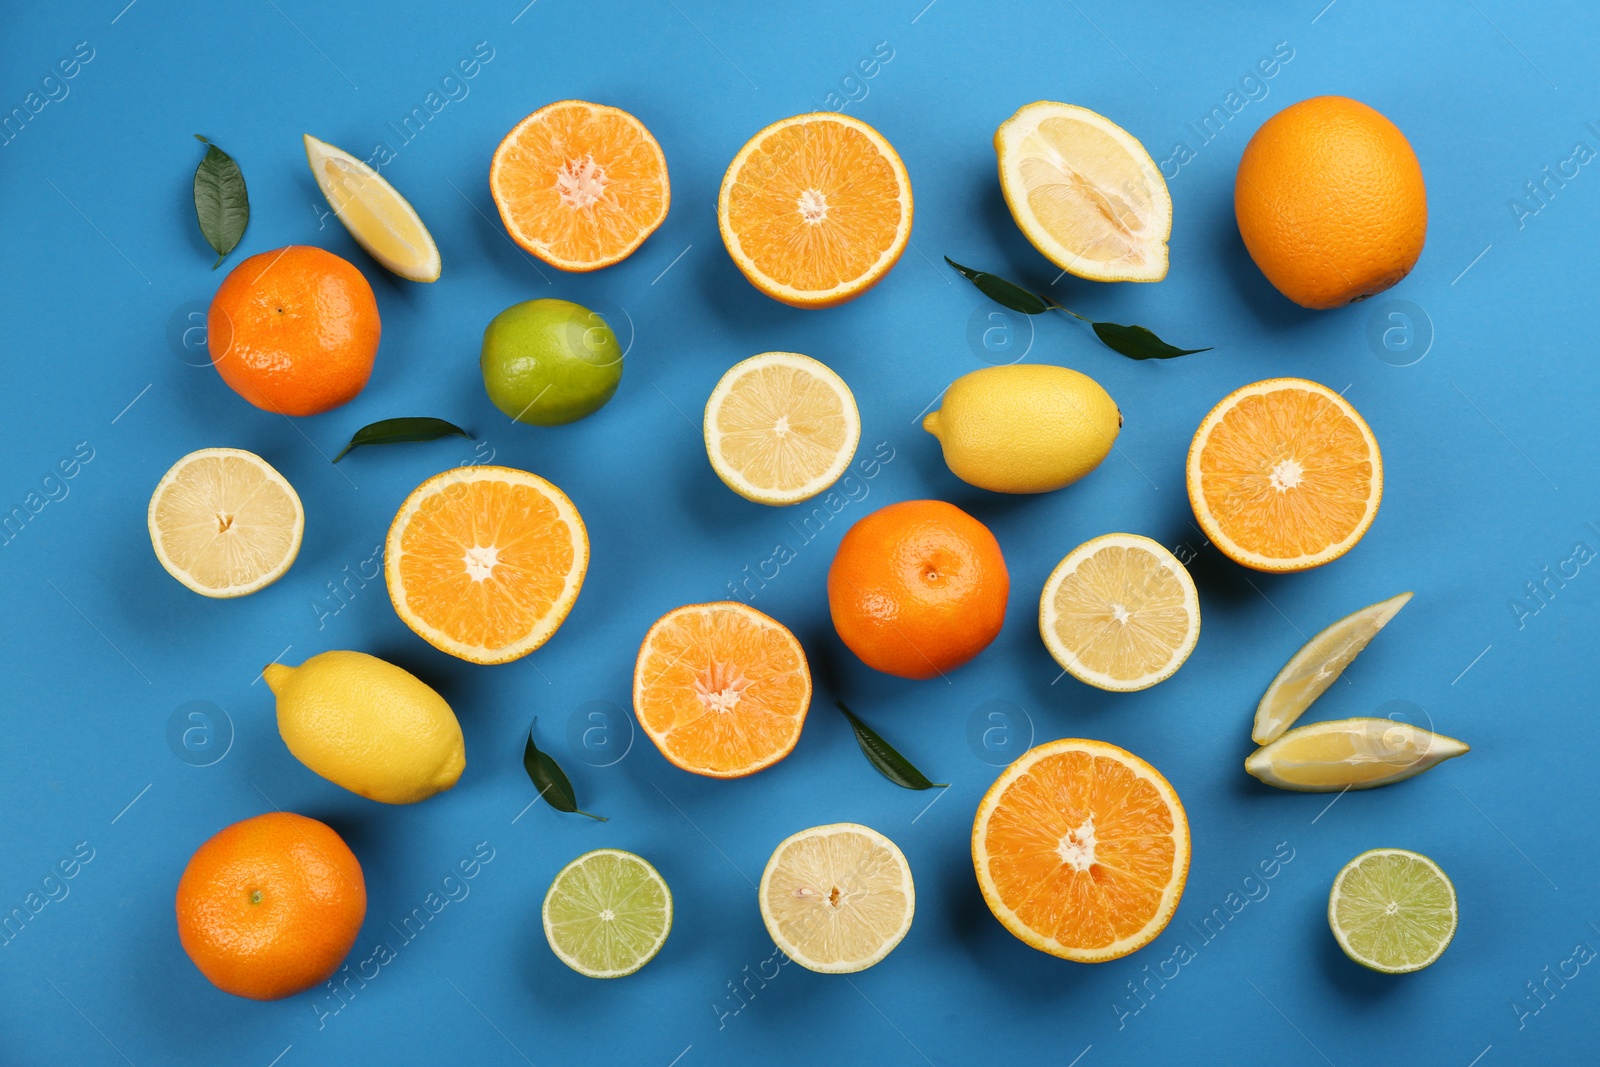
(368, 726)
(1330, 202)
(271, 906)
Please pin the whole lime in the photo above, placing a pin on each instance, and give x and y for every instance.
(549, 362)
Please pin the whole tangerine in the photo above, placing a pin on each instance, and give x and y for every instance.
(270, 906)
(294, 330)
(918, 588)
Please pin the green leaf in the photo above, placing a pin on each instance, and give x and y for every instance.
(1001, 291)
(1136, 342)
(883, 756)
(220, 201)
(394, 431)
(553, 783)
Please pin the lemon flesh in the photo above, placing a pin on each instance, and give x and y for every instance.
(1317, 665)
(607, 913)
(1120, 613)
(781, 427)
(381, 220)
(1350, 754)
(1024, 428)
(224, 522)
(1085, 192)
(368, 726)
(837, 899)
(1392, 910)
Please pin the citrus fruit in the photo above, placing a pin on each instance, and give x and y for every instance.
(1120, 613)
(1392, 910)
(1024, 428)
(270, 906)
(1349, 754)
(1284, 475)
(485, 562)
(837, 899)
(1085, 193)
(1330, 202)
(607, 913)
(549, 362)
(780, 428)
(1318, 665)
(721, 689)
(224, 522)
(368, 726)
(918, 588)
(815, 209)
(1082, 849)
(580, 185)
(381, 220)
(294, 330)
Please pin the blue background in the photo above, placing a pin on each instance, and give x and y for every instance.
(1489, 454)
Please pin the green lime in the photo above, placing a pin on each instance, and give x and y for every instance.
(1392, 910)
(548, 362)
(607, 913)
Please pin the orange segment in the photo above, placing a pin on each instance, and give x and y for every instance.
(1284, 475)
(721, 689)
(580, 185)
(1081, 850)
(485, 562)
(815, 209)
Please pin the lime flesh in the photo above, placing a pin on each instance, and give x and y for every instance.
(549, 362)
(607, 913)
(1392, 910)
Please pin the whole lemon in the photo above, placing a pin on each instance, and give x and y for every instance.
(1024, 428)
(369, 726)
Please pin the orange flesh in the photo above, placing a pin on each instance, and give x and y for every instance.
(816, 205)
(1286, 474)
(1081, 849)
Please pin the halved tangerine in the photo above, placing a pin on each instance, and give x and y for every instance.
(721, 689)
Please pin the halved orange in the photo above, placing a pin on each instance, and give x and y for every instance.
(721, 689)
(485, 562)
(815, 209)
(580, 185)
(1284, 475)
(1082, 850)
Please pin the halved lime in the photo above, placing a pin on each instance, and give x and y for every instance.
(1392, 910)
(607, 913)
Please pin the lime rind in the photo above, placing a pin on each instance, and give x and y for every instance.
(1318, 665)
(607, 913)
(1392, 910)
(1350, 754)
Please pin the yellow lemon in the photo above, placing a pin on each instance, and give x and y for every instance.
(1025, 428)
(369, 726)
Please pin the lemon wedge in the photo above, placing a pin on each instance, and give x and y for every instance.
(1350, 754)
(1085, 192)
(381, 220)
(225, 523)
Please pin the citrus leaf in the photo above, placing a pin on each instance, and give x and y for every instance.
(883, 756)
(394, 431)
(1136, 342)
(553, 783)
(221, 202)
(1002, 292)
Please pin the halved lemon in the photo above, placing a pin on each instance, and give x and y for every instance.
(781, 427)
(607, 913)
(1082, 850)
(1085, 192)
(1350, 754)
(1317, 665)
(225, 523)
(381, 220)
(1284, 475)
(815, 209)
(1120, 613)
(485, 562)
(838, 898)
(1392, 910)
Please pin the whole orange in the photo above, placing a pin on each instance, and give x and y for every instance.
(1330, 202)
(294, 330)
(918, 588)
(271, 906)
